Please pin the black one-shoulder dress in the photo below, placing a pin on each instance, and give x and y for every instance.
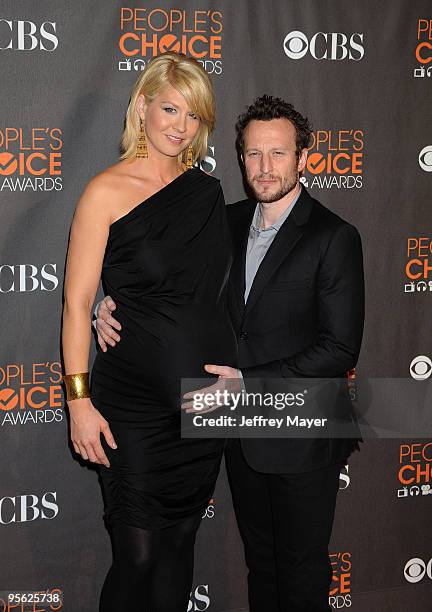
(166, 266)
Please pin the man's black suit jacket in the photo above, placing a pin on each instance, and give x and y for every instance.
(303, 317)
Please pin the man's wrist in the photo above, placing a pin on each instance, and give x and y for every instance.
(95, 313)
(241, 379)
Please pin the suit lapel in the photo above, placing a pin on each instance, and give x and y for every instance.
(239, 264)
(285, 240)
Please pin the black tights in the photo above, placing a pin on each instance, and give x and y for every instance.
(152, 571)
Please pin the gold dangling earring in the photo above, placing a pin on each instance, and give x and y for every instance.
(189, 158)
(142, 142)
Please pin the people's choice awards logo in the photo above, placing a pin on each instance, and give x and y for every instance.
(31, 393)
(340, 588)
(146, 33)
(418, 268)
(415, 470)
(31, 159)
(335, 160)
(423, 52)
(324, 46)
(425, 158)
(415, 570)
(421, 367)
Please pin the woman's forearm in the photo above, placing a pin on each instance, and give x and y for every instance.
(76, 335)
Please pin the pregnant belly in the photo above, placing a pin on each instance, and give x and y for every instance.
(159, 352)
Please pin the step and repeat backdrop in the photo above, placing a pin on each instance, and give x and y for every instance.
(362, 72)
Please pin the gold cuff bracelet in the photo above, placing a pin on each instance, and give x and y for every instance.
(77, 385)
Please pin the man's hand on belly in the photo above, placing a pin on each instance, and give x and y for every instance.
(227, 385)
(105, 323)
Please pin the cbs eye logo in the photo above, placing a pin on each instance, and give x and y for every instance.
(415, 570)
(421, 367)
(425, 159)
(296, 45)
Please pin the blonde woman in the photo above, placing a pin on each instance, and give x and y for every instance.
(153, 226)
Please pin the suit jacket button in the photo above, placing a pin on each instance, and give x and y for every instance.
(243, 335)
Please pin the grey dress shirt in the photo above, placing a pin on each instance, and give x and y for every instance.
(259, 242)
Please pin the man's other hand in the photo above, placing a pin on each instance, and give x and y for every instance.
(106, 324)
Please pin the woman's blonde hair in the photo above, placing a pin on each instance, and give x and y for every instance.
(190, 79)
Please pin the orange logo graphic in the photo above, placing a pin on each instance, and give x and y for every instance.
(415, 463)
(418, 268)
(146, 33)
(8, 164)
(29, 158)
(335, 159)
(340, 589)
(423, 51)
(424, 38)
(8, 399)
(34, 391)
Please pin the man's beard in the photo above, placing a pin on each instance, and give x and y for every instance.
(288, 184)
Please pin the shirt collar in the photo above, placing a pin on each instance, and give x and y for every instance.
(256, 221)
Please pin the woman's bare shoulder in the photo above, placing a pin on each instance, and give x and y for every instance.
(101, 191)
(107, 180)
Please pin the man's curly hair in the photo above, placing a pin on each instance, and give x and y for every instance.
(266, 108)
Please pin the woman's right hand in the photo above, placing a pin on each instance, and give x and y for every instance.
(87, 424)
